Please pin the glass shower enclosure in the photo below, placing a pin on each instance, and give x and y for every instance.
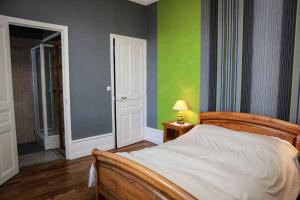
(43, 91)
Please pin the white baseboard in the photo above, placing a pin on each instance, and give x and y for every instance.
(83, 147)
(154, 135)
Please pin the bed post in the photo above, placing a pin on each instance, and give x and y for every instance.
(199, 117)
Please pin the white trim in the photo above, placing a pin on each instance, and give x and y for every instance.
(154, 135)
(65, 70)
(35, 24)
(84, 147)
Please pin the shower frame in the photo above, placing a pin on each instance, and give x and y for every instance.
(42, 134)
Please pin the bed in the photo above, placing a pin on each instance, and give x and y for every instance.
(144, 175)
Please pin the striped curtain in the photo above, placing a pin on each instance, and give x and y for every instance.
(229, 57)
(255, 65)
(209, 44)
(295, 98)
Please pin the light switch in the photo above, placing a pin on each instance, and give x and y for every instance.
(108, 88)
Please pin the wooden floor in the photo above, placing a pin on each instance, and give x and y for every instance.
(59, 180)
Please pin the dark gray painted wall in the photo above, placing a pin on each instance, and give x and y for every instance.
(152, 66)
(90, 23)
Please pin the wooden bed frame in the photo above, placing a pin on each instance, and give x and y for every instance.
(121, 178)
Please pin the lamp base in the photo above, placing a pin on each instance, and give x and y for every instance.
(180, 122)
(180, 118)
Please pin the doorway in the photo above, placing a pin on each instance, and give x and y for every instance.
(8, 141)
(37, 90)
(129, 92)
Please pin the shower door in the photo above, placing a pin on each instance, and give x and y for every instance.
(44, 103)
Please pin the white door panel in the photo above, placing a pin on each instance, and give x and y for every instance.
(130, 66)
(8, 143)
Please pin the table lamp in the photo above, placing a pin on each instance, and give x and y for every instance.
(180, 106)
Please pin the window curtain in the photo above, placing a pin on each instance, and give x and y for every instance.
(252, 67)
(295, 99)
(229, 56)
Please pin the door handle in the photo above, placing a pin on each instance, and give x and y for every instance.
(123, 98)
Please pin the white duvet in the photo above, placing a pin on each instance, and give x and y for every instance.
(215, 163)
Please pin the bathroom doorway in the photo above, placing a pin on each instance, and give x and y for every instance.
(8, 148)
(36, 62)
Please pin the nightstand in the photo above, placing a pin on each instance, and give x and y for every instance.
(173, 130)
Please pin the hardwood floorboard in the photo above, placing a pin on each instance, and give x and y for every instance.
(56, 180)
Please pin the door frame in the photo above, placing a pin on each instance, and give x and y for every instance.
(65, 69)
(112, 74)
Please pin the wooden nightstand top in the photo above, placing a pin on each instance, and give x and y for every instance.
(174, 125)
(172, 130)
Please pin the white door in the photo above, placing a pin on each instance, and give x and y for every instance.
(130, 82)
(8, 147)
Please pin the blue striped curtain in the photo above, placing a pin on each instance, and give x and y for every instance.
(295, 99)
(257, 54)
(229, 56)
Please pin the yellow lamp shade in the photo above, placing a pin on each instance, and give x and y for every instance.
(180, 105)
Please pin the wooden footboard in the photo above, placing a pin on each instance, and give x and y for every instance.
(121, 178)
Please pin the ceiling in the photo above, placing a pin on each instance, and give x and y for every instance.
(144, 2)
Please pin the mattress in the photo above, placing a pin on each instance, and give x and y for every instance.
(212, 162)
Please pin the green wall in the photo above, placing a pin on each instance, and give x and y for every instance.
(178, 52)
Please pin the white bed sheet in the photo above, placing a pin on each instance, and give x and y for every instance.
(212, 162)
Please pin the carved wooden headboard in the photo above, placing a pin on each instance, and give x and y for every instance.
(254, 124)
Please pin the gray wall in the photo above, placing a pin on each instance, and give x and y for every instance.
(90, 23)
(152, 66)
